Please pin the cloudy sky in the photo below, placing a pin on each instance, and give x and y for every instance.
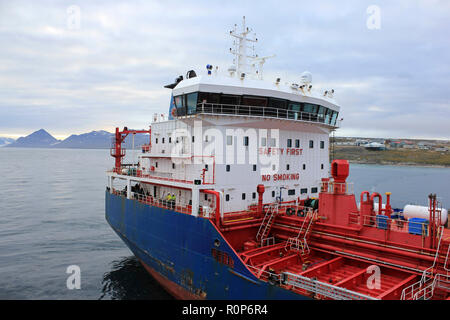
(77, 66)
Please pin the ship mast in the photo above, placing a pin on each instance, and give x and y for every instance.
(240, 65)
(240, 48)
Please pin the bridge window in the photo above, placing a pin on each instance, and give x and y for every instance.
(291, 192)
(321, 113)
(246, 141)
(228, 168)
(273, 194)
(254, 167)
(322, 144)
(311, 144)
(328, 116)
(229, 140)
(243, 196)
(229, 99)
(294, 110)
(180, 105)
(311, 108)
(289, 143)
(227, 197)
(254, 101)
(191, 102)
(304, 190)
(213, 98)
(297, 143)
(202, 97)
(254, 195)
(287, 167)
(333, 118)
(314, 190)
(277, 103)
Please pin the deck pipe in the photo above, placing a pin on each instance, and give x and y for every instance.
(388, 209)
(260, 189)
(380, 202)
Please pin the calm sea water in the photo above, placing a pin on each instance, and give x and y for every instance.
(52, 216)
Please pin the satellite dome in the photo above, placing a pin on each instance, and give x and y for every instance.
(306, 77)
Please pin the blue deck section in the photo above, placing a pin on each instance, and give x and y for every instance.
(178, 246)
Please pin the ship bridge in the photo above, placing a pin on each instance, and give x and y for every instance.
(231, 96)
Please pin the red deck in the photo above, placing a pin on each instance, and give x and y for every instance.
(341, 252)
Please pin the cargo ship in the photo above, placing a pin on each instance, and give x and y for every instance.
(234, 197)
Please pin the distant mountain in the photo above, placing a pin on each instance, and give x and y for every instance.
(92, 140)
(38, 139)
(5, 141)
(99, 140)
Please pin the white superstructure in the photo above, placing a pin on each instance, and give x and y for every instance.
(232, 130)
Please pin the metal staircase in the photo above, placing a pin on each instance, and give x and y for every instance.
(436, 276)
(300, 242)
(266, 224)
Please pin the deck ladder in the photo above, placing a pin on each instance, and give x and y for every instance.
(424, 288)
(266, 224)
(300, 243)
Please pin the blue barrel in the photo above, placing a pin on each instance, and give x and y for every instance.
(382, 221)
(415, 226)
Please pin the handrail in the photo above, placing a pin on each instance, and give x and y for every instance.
(331, 186)
(272, 210)
(424, 288)
(384, 222)
(302, 244)
(267, 112)
(324, 289)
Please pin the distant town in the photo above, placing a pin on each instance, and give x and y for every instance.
(391, 151)
(383, 144)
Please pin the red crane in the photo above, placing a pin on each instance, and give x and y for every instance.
(117, 152)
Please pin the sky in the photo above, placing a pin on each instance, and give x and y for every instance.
(71, 67)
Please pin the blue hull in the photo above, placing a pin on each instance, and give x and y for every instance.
(176, 249)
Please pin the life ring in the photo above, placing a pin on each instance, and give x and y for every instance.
(300, 213)
(289, 211)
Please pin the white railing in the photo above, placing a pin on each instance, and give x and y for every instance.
(424, 288)
(267, 112)
(324, 289)
(178, 176)
(339, 187)
(383, 222)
